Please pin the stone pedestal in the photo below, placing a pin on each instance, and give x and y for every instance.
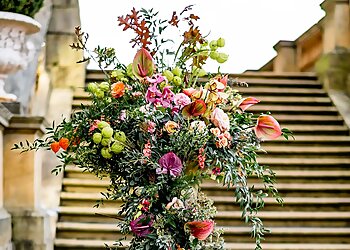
(22, 186)
(285, 60)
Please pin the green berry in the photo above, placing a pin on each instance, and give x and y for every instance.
(222, 58)
(97, 137)
(117, 147)
(214, 55)
(202, 73)
(105, 153)
(168, 74)
(107, 132)
(120, 136)
(118, 73)
(177, 71)
(92, 87)
(104, 86)
(106, 142)
(221, 42)
(213, 45)
(102, 124)
(177, 81)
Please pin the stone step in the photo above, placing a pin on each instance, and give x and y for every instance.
(274, 91)
(292, 149)
(309, 119)
(79, 244)
(294, 100)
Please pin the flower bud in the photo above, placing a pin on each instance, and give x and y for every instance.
(99, 93)
(213, 45)
(97, 137)
(222, 58)
(120, 136)
(117, 147)
(104, 86)
(177, 81)
(129, 71)
(118, 73)
(102, 124)
(92, 87)
(177, 71)
(221, 42)
(107, 132)
(106, 141)
(168, 74)
(214, 55)
(105, 153)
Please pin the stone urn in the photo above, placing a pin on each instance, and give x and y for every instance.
(15, 51)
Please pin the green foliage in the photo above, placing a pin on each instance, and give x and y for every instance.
(25, 7)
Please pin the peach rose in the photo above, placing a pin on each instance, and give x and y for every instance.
(220, 119)
(171, 126)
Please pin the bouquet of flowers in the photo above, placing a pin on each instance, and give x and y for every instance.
(158, 131)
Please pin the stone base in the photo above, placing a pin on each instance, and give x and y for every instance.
(334, 70)
(13, 107)
(31, 230)
(5, 230)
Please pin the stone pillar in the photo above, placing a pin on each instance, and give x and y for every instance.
(5, 218)
(60, 58)
(285, 61)
(22, 186)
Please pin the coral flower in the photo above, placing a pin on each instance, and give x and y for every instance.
(55, 146)
(171, 164)
(267, 128)
(245, 103)
(64, 143)
(142, 226)
(200, 229)
(118, 89)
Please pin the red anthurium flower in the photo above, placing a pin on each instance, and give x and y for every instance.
(267, 128)
(200, 229)
(55, 146)
(143, 65)
(245, 103)
(64, 143)
(196, 108)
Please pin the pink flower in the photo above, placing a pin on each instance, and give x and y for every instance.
(147, 150)
(122, 115)
(201, 158)
(181, 99)
(157, 78)
(142, 226)
(216, 171)
(189, 91)
(245, 103)
(267, 128)
(215, 131)
(220, 119)
(151, 127)
(153, 94)
(167, 97)
(200, 229)
(94, 125)
(171, 164)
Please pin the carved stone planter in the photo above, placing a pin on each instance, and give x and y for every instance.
(15, 51)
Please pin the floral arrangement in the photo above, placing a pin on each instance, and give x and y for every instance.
(158, 131)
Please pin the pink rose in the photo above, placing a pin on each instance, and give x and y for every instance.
(181, 99)
(220, 119)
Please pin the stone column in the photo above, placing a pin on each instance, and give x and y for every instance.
(285, 61)
(22, 186)
(5, 218)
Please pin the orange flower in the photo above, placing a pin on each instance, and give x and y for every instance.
(55, 146)
(267, 128)
(64, 143)
(200, 229)
(118, 89)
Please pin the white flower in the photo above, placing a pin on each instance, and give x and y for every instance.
(198, 125)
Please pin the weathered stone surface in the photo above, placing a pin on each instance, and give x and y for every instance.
(285, 61)
(31, 230)
(64, 20)
(5, 230)
(65, 3)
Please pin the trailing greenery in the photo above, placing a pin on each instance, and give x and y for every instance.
(25, 7)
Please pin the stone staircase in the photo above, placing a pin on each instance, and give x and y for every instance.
(313, 176)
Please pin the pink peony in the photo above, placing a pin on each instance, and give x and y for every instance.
(171, 164)
(267, 128)
(220, 119)
(153, 94)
